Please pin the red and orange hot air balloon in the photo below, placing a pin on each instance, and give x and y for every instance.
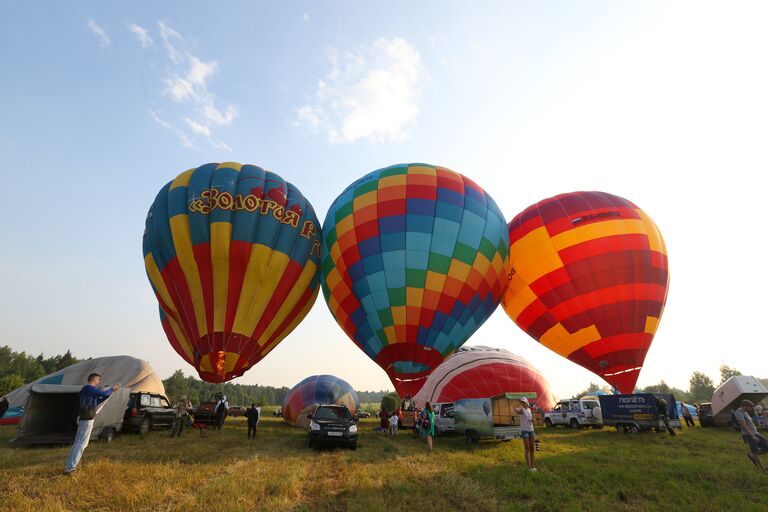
(588, 278)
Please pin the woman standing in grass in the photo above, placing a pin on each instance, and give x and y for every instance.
(428, 425)
(527, 433)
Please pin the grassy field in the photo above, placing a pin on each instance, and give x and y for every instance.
(698, 470)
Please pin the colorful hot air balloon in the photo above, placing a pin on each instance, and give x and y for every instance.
(232, 252)
(317, 390)
(588, 279)
(413, 263)
(484, 372)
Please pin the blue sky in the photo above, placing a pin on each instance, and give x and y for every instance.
(103, 103)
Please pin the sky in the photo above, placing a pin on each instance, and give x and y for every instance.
(102, 103)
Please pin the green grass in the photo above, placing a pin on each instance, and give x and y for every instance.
(698, 470)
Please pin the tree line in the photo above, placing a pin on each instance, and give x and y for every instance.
(19, 368)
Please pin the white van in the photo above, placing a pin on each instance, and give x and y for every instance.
(444, 419)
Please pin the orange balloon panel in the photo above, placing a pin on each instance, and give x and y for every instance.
(588, 278)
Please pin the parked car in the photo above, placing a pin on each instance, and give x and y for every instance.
(331, 425)
(444, 418)
(362, 414)
(575, 413)
(205, 412)
(706, 419)
(237, 410)
(146, 411)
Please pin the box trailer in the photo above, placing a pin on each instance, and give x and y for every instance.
(729, 395)
(492, 418)
(638, 412)
(51, 414)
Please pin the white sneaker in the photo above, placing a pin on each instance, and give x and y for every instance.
(533, 469)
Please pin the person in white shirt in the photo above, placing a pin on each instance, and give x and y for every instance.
(393, 422)
(527, 433)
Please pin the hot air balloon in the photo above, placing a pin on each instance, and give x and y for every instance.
(588, 279)
(317, 390)
(484, 372)
(233, 253)
(413, 263)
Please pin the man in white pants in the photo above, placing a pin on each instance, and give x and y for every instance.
(90, 397)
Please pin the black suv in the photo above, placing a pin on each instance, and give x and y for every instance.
(148, 410)
(332, 425)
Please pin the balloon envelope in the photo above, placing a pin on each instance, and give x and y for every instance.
(484, 372)
(232, 252)
(316, 390)
(414, 259)
(588, 279)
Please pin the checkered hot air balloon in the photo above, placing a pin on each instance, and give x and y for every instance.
(233, 254)
(414, 259)
(317, 390)
(588, 279)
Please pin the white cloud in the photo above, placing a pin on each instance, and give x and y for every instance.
(372, 93)
(142, 35)
(183, 137)
(99, 32)
(188, 86)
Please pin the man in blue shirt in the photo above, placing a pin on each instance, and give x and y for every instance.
(90, 397)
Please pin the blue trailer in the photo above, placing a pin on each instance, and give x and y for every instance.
(639, 411)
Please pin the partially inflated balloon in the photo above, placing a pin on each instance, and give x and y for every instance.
(317, 390)
(588, 279)
(413, 263)
(232, 252)
(484, 372)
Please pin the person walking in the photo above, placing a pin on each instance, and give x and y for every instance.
(393, 421)
(183, 409)
(758, 445)
(527, 433)
(90, 397)
(252, 415)
(428, 425)
(221, 410)
(687, 415)
(383, 421)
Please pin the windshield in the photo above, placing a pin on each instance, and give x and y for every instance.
(332, 413)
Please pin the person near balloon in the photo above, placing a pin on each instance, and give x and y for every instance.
(183, 409)
(758, 445)
(393, 422)
(527, 433)
(222, 407)
(3, 406)
(687, 415)
(428, 425)
(661, 410)
(252, 415)
(383, 421)
(90, 397)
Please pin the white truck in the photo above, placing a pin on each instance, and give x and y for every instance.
(575, 413)
(729, 395)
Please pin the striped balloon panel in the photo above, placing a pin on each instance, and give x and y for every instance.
(232, 252)
(414, 258)
(483, 372)
(317, 390)
(588, 278)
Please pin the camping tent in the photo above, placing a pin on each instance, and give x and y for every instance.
(127, 371)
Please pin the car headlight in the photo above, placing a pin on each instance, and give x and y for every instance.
(314, 426)
(353, 429)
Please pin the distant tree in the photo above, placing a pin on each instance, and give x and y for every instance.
(726, 372)
(10, 382)
(66, 360)
(702, 388)
(390, 402)
(590, 389)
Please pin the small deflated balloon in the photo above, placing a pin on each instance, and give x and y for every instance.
(232, 253)
(588, 279)
(413, 263)
(318, 390)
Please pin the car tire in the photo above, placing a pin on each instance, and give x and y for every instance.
(548, 423)
(353, 447)
(107, 435)
(634, 429)
(574, 423)
(145, 424)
